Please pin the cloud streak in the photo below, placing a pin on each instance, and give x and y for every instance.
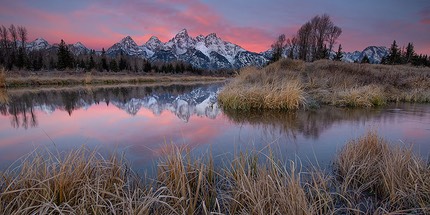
(253, 24)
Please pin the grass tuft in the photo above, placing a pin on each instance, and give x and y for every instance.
(392, 175)
(263, 89)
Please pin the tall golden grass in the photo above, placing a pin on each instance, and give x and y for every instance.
(263, 89)
(370, 176)
(289, 84)
(2, 78)
(396, 178)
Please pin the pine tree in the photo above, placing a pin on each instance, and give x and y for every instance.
(122, 63)
(409, 53)
(394, 56)
(91, 63)
(365, 59)
(104, 64)
(64, 57)
(339, 54)
(113, 65)
(147, 67)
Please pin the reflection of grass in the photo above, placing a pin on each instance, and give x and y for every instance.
(372, 177)
(289, 84)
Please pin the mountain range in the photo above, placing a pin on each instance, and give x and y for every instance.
(207, 52)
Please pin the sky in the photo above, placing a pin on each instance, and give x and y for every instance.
(252, 24)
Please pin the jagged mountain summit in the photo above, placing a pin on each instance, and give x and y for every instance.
(374, 53)
(38, 44)
(207, 52)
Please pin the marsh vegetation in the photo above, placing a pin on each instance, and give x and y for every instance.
(368, 176)
(291, 84)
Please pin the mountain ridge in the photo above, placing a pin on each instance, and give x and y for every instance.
(206, 52)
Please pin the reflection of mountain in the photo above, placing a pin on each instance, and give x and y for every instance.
(182, 100)
(200, 102)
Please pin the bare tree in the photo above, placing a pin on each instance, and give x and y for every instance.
(304, 37)
(315, 36)
(333, 35)
(22, 33)
(4, 37)
(14, 36)
(278, 48)
(292, 44)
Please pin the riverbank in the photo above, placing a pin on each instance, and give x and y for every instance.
(369, 175)
(64, 78)
(290, 85)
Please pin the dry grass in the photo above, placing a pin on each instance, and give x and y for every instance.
(263, 89)
(88, 79)
(2, 78)
(80, 182)
(367, 96)
(370, 177)
(4, 97)
(289, 84)
(395, 178)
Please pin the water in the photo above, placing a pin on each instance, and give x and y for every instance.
(143, 120)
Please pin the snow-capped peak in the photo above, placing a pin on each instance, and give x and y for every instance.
(79, 44)
(153, 43)
(181, 42)
(38, 44)
(182, 33)
(126, 46)
(128, 41)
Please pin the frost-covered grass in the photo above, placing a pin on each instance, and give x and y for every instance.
(369, 176)
(289, 84)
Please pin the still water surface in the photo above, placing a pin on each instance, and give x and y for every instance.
(142, 120)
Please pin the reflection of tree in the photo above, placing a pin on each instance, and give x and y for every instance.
(308, 123)
(21, 113)
(70, 100)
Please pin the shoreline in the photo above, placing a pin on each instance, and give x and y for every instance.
(85, 79)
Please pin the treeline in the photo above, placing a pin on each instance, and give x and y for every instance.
(15, 56)
(12, 52)
(406, 55)
(315, 40)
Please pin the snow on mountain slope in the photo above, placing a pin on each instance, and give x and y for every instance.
(374, 53)
(207, 52)
(126, 46)
(38, 44)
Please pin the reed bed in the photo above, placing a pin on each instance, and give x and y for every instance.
(290, 84)
(369, 176)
